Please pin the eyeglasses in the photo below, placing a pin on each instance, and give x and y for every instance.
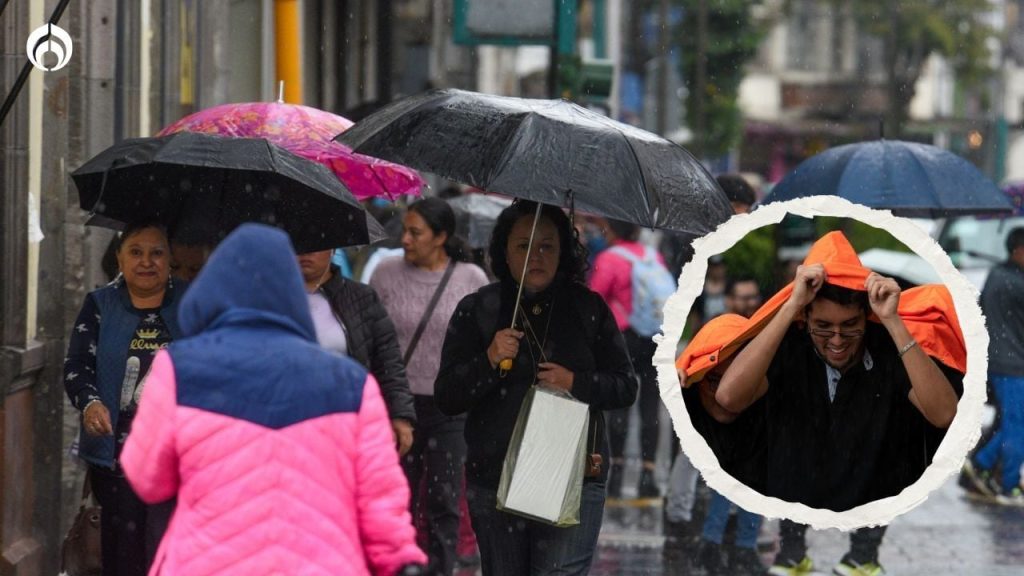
(843, 335)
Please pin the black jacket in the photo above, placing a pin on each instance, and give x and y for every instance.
(582, 336)
(371, 340)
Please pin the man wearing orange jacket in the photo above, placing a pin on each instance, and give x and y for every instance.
(840, 366)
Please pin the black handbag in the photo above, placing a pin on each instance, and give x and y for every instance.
(80, 553)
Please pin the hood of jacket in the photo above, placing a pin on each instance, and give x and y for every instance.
(251, 278)
(927, 311)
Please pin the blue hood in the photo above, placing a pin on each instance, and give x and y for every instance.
(250, 349)
(251, 277)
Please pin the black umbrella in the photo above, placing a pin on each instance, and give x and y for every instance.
(550, 151)
(203, 186)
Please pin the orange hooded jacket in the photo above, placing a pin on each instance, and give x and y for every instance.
(927, 311)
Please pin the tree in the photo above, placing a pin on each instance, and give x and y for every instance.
(911, 31)
(732, 38)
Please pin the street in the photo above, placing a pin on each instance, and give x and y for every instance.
(946, 535)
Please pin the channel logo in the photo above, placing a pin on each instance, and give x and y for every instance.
(49, 38)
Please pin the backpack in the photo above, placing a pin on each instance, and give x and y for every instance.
(652, 285)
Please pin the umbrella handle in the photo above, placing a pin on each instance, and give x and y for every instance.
(504, 366)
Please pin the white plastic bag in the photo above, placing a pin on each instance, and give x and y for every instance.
(542, 477)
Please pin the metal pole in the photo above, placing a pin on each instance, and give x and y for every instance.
(700, 80)
(663, 71)
(553, 91)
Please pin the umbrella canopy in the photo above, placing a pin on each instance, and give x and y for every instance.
(550, 151)
(306, 132)
(908, 178)
(476, 215)
(204, 186)
(905, 265)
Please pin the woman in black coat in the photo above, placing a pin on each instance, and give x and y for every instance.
(565, 338)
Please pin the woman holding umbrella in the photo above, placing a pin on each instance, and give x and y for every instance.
(566, 338)
(118, 332)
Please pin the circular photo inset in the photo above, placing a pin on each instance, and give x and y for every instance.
(823, 362)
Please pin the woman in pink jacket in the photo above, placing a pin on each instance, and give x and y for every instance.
(280, 453)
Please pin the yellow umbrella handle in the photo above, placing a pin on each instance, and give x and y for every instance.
(505, 365)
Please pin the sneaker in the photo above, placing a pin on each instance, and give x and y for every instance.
(848, 567)
(744, 562)
(709, 559)
(978, 480)
(648, 487)
(790, 568)
(1013, 498)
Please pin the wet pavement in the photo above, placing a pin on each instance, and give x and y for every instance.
(948, 534)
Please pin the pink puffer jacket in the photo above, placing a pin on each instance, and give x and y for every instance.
(324, 495)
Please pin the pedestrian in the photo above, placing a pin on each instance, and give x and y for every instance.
(850, 406)
(420, 290)
(734, 438)
(565, 338)
(350, 320)
(1002, 302)
(280, 451)
(119, 329)
(742, 299)
(187, 259)
(682, 508)
(633, 281)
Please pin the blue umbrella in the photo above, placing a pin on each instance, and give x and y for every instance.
(910, 179)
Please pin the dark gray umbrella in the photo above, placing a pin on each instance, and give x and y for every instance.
(203, 186)
(550, 151)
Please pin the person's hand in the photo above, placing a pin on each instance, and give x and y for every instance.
(96, 420)
(883, 295)
(806, 283)
(504, 345)
(402, 430)
(555, 376)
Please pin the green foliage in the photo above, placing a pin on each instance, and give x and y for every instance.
(733, 37)
(754, 255)
(955, 29)
(861, 236)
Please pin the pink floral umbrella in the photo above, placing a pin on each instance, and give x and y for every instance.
(307, 132)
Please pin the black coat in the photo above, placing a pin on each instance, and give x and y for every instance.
(582, 336)
(371, 340)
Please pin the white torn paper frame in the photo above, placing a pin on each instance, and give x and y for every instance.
(962, 434)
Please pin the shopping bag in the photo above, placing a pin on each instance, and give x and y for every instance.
(542, 477)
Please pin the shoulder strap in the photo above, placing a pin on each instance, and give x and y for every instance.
(430, 310)
(622, 251)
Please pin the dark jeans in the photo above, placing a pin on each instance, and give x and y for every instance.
(511, 545)
(864, 543)
(747, 523)
(641, 351)
(437, 454)
(122, 524)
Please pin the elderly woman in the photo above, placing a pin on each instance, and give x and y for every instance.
(565, 338)
(118, 332)
(280, 450)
